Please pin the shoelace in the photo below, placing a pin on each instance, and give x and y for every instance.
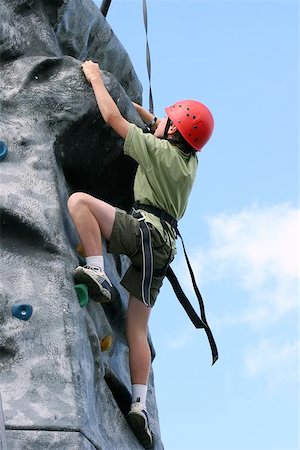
(94, 268)
(100, 274)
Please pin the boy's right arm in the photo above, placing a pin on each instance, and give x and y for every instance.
(107, 106)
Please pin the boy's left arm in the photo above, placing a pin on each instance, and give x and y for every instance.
(148, 118)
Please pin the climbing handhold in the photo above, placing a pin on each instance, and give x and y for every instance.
(22, 312)
(80, 250)
(3, 150)
(82, 294)
(106, 343)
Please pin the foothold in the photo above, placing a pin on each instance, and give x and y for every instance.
(80, 250)
(22, 312)
(3, 150)
(106, 343)
(82, 294)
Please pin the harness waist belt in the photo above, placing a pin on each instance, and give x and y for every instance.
(158, 212)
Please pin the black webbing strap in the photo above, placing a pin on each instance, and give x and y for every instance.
(198, 321)
(148, 59)
(158, 212)
(105, 7)
(147, 263)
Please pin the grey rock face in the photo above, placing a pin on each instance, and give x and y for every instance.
(59, 389)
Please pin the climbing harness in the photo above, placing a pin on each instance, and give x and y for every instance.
(198, 321)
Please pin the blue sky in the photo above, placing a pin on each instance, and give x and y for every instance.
(241, 227)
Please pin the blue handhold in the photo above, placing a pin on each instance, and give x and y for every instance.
(3, 150)
(22, 312)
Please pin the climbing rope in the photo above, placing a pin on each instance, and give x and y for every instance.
(104, 9)
(148, 59)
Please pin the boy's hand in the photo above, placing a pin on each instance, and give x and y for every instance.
(136, 105)
(91, 70)
(147, 117)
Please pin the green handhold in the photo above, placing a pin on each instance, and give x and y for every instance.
(82, 294)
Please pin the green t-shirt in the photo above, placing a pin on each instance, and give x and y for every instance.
(165, 174)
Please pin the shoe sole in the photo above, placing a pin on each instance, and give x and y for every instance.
(138, 425)
(96, 291)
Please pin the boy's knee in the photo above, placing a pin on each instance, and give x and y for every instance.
(76, 200)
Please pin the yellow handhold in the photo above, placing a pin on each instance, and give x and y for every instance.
(106, 343)
(80, 250)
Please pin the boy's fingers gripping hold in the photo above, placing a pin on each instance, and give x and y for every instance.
(91, 70)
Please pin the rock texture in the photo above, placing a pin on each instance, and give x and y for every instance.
(59, 389)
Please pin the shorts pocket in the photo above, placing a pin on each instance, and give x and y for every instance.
(138, 242)
(162, 252)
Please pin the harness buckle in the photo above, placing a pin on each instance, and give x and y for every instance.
(137, 215)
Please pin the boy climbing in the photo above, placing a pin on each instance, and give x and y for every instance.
(167, 165)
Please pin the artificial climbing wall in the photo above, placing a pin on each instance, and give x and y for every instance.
(64, 377)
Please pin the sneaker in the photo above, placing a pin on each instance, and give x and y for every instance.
(139, 422)
(98, 283)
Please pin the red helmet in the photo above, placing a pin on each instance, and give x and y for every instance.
(193, 120)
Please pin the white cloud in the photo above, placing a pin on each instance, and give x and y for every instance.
(278, 363)
(258, 243)
(257, 250)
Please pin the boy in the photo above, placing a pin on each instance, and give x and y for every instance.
(164, 178)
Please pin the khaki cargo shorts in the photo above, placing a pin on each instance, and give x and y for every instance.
(126, 240)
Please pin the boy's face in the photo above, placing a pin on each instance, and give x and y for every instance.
(160, 130)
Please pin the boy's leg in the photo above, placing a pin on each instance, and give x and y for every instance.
(139, 363)
(137, 337)
(93, 219)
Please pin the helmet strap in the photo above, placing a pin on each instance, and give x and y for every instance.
(167, 128)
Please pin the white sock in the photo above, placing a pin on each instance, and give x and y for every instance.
(139, 393)
(95, 261)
